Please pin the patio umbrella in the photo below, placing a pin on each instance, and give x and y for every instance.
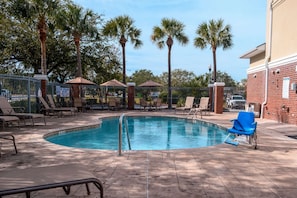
(80, 81)
(77, 82)
(113, 83)
(150, 83)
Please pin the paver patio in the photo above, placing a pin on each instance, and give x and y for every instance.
(216, 171)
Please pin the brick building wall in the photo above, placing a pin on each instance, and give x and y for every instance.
(277, 108)
(281, 52)
(255, 87)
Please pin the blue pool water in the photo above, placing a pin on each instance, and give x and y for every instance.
(145, 133)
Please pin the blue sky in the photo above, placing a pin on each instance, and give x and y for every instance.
(246, 17)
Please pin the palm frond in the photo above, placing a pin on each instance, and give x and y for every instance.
(169, 28)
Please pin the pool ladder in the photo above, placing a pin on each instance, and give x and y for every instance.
(123, 117)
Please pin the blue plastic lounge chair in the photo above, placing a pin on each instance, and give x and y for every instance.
(243, 126)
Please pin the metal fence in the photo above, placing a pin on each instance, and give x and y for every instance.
(20, 91)
(23, 91)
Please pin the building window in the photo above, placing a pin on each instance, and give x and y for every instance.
(286, 86)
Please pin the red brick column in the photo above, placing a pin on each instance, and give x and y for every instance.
(43, 81)
(219, 97)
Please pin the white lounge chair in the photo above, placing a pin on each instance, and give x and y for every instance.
(143, 103)
(53, 106)
(9, 119)
(188, 105)
(203, 107)
(8, 110)
(157, 103)
(56, 111)
(41, 178)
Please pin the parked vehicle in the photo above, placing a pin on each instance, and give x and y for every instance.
(236, 101)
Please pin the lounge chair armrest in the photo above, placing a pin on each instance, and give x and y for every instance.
(19, 109)
(254, 124)
(237, 125)
(69, 175)
(16, 109)
(6, 111)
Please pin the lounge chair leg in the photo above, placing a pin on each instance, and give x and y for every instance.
(255, 140)
(88, 189)
(227, 137)
(28, 195)
(15, 148)
(13, 141)
(67, 189)
(100, 187)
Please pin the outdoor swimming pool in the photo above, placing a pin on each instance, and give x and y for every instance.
(145, 133)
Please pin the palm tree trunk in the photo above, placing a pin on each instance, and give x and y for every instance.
(124, 65)
(123, 41)
(42, 37)
(169, 99)
(214, 65)
(77, 88)
(79, 68)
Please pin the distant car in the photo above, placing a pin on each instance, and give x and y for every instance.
(6, 93)
(236, 101)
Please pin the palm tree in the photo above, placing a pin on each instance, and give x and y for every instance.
(41, 12)
(78, 23)
(170, 29)
(216, 35)
(122, 28)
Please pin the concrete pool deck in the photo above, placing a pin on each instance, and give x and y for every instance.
(216, 171)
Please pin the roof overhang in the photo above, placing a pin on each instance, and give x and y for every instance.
(258, 50)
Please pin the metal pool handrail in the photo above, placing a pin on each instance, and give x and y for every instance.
(127, 132)
(120, 134)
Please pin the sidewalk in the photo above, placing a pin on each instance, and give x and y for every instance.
(216, 171)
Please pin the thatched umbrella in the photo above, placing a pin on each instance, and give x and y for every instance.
(150, 83)
(114, 84)
(78, 81)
